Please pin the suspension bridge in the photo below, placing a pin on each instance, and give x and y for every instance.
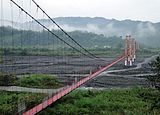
(26, 52)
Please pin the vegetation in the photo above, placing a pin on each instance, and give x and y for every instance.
(27, 42)
(109, 52)
(155, 67)
(9, 101)
(59, 52)
(1, 61)
(110, 102)
(7, 80)
(143, 53)
(39, 80)
(23, 42)
(33, 80)
(13, 38)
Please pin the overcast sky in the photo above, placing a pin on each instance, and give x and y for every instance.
(145, 10)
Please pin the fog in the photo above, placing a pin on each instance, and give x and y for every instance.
(144, 10)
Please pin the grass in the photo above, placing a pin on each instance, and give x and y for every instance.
(9, 101)
(146, 53)
(39, 81)
(32, 80)
(101, 52)
(135, 101)
(1, 60)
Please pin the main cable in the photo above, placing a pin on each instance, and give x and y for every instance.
(66, 32)
(49, 30)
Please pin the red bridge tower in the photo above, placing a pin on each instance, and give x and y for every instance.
(130, 50)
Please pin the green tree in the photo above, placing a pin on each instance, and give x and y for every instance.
(7, 80)
(155, 67)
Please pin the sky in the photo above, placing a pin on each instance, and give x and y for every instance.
(143, 10)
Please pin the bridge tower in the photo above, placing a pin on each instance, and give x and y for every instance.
(130, 50)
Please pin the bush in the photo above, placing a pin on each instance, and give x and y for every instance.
(155, 79)
(38, 81)
(152, 96)
(7, 80)
(109, 102)
(33, 80)
(9, 101)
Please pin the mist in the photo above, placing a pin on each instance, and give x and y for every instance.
(144, 32)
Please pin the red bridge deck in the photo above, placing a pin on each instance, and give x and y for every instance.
(60, 94)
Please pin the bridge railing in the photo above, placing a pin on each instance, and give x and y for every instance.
(67, 90)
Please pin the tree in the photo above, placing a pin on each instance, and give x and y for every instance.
(155, 67)
(7, 80)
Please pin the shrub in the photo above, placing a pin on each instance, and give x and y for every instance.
(155, 67)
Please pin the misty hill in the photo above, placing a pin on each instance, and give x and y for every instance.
(146, 33)
(10, 37)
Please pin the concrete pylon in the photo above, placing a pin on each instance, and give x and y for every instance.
(130, 63)
(134, 56)
(90, 72)
(125, 62)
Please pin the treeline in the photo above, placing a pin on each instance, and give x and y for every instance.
(13, 38)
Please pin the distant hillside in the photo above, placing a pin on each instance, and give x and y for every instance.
(32, 39)
(146, 33)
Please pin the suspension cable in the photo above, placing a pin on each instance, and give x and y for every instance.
(49, 30)
(65, 31)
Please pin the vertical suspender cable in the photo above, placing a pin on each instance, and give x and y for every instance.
(1, 37)
(12, 44)
(30, 47)
(55, 35)
(20, 49)
(66, 33)
(37, 44)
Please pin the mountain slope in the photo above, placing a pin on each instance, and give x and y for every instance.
(146, 33)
